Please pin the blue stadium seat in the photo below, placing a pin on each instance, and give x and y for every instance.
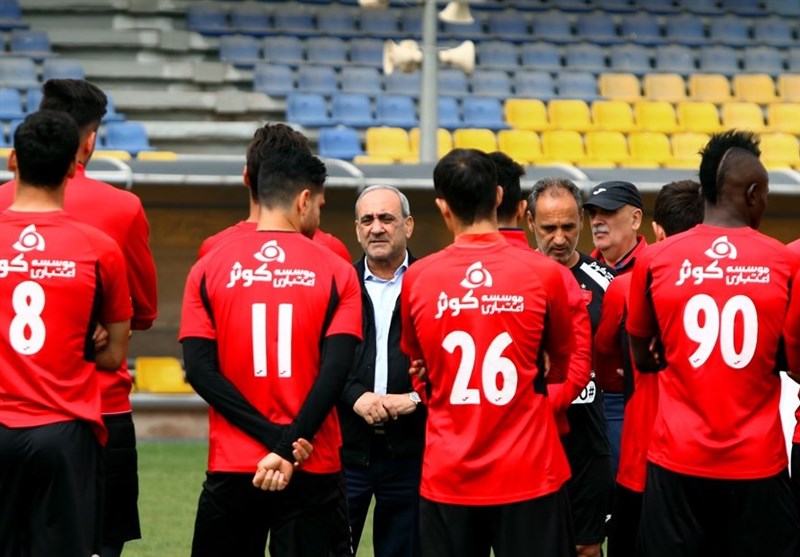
(675, 58)
(794, 59)
(630, 58)
(294, 19)
(704, 7)
(127, 136)
(316, 79)
(508, 25)
(763, 59)
(243, 51)
(745, 8)
(719, 59)
(250, 19)
(62, 68)
(208, 19)
(500, 55)
(411, 23)
(397, 111)
(542, 56)
(283, 50)
(325, 2)
(534, 85)
(657, 6)
(642, 28)
(464, 31)
(617, 6)
(491, 83)
(585, 57)
(326, 50)
(729, 30)
(399, 83)
(339, 143)
(599, 27)
(366, 81)
(352, 110)
(111, 114)
(483, 113)
(379, 23)
(574, 5)
(33, 44)
(686, 29)
(366, 52)
(452, 83)
(10, 104)
(308, 110)
(449, 113)
(337, 21)
(18, 73)
(577, 85)
(33, 98)
(773, 31)
(783, 7)
(11, 16)
(554, 27)
(274, 80)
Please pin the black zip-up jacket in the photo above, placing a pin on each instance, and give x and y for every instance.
(405, 436)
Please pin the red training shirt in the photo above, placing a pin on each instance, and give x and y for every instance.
(791, 333)
(625, 264)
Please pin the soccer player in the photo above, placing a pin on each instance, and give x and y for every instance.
(269, 326)
(678, 207)
(555, 216)
(60, 278)
(791, 334)
(119, 214)
(493, 469)
(716, 298)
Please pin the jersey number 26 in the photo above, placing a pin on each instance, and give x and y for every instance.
(494, 364)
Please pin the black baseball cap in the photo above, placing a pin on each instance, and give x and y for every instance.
(614, 195)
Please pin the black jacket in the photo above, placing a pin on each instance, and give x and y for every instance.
(404, 436)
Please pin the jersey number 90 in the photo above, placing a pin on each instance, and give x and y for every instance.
(708, 325)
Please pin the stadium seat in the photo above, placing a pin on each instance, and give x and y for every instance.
(742, 115)
(570, 114)
(641, 28)
(719, 59)
(352, 110)
(523, 146)
(33, 98)
(62, 68)
(685, 29)
(294, 19)
(491, 83)
(597, 25)
(316, 79)
(783, 7)
(542, 56)
(273, 79)
(411, 23)
(794, 59)
(605, 149)
(620, 87)
(498, 55)
(553, 27)
(562, 146)
(208, 18)
(307, 110)
(507, 25)
(10, 105)
(379, 23)
(534, 85)
(577, 85)
(686, 150)
(365, 81)
(483, 113)
(33, 44)
(283, 50)
(111, 112)
(444, 142)
(704, 7)
(127, 136)
(339, 143)
(755, 88)
(475, 138)
(392, 143)
(330, 51)
(656, 116)
(575, 5)
(242, 51)
(780, 150)
(366, 52)
(762, 59)
(713, 88)
(657, 6)
(773, 31)
(614, 116)
(453, 83)
(675, 59)
(464, 31)
(784, 117)
(668, 87)
(160, 375)
(648, 149)
(746, 8)
(10, 17)
(585, 57)
(395, 110)
(337, 21)
(250, 19)
(698, 117)
(376, 159)
(729, 30)
(789, 87)
(400, 83)
(630, 58)
(526, 114)
(449, 113)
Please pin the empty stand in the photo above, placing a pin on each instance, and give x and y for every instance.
(326, 50)
(714, 88)
(605, 149)
(742, 115)
(620, 86)
(273, 79)
(160, 375)
(396, 110)
(577, 85)
(352, 110)
(481, 139)
(755, 88)
(780, 150)
(648, 149)
(562, 146)
(523, 146)
(483, 113)
(391, 143)
(534, 85)
(789, 87)
(668, 87)
(444, 142)
(526, 114)
(784, 117)
(613, 116)
(491, 83)
(307, 110)
(656, 116)
(127, 136)
(11, 105)
(686, 150)
(366, 81)
(570, 114)
(317, 79)
(698, 117)
(541, 55)
(339, 143)
(449, 113)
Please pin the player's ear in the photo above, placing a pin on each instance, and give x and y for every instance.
(658, 230)
(86, 147)
(636, 219)
(73, 167)
(499, 198)
(409, 226)
(581, 215)
(303, 201)
(531, 222)
(245, 176)
(750, 194)
(522, 206)
(11, 165)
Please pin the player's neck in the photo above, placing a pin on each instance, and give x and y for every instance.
(255, 210)
(723, 217)
(477, 227)
(31, 199)
(277, 219)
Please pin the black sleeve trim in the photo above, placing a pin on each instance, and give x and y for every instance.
(206, 300)
(89, 353)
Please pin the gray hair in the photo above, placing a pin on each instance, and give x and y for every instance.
(546, 184)
(405, 208)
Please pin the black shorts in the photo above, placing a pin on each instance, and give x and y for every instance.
(235, 518)
(590, 489)
(48, 495)
(540, 526)
(702, 517)
(796, 473)
(624, 527)
(120, 484)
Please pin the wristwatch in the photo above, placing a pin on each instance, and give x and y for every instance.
(414, 397)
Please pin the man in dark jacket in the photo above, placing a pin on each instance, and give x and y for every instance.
(382, 417)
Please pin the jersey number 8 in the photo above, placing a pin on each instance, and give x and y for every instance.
(719, 326)
(494, 365)
(27, 332)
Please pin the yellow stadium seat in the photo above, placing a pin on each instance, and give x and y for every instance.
(570, 114)
(157, 156)
(649, 149)
(780, 150)
(700, 117)
(109, 154)
(526, 114)
(444, 142)
(523, 146)
(562, 146)
(686, 150)
(789, 87)
(668, 87)
(784, 117)
(620, 87)
(5, 152)
(161, 375)
(742, 115)
(391, 143)
(605, 149)
(475, 138)
(614, 116)
(656, 116)
(754, 88)
(712, 87)
(370, 159)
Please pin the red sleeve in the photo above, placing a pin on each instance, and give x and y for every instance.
(116, 306)
(141, 273)
(205, 247)
(409, 344)
(641, 316)
(791, 329)
(347, 317)
(333, 243)
(559, 335)
(195, 320)
(608, 338)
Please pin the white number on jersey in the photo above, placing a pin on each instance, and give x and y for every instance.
(494, 364)
(259, 329)
(27, 331)
(718, 326)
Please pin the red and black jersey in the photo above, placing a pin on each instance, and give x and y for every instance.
(60, 277)
(332, 243)
(482, 332)
(119, 214)
(241, 227)
(625, 264)
(791, 333)
(269, 299)
(717, 297)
